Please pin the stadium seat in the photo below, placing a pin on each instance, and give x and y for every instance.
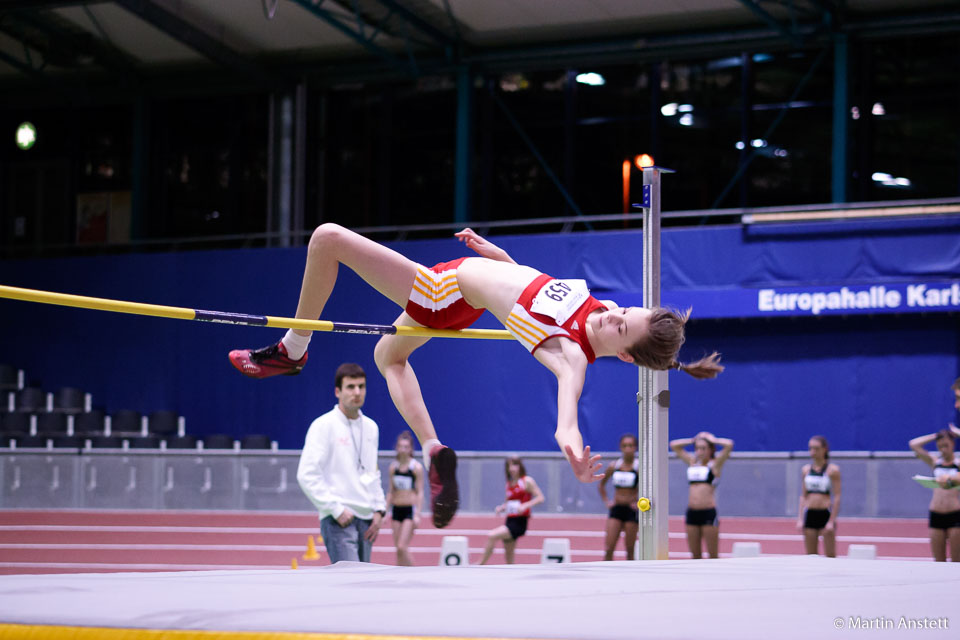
(15, 423)
(30, 400)
(88, 422)
(70, 400)
(105, 442)
(63, 441)
(182, 442)
(51, 423)
(256, 441)
(26, 441)
(164, 423)
(10, 378)
(126, 421)
(149, 441)
(218, 441)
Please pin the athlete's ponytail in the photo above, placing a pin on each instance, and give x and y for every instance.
(659, 347)
(703, 368)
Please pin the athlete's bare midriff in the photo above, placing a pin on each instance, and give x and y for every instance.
(493, 285)
(702, 496)
(945, 500)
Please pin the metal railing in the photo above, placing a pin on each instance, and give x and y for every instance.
(557, 224)
(875, 484)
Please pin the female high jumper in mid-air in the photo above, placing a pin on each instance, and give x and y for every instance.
(558, 321)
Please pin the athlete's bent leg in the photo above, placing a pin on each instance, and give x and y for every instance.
(392, 355)
(500, 533)
(330, 246)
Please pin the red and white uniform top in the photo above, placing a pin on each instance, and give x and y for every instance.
(517, 494)
(548, 308)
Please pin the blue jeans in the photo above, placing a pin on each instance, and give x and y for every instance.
(346, 543)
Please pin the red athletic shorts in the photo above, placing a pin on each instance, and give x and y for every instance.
(435, 300)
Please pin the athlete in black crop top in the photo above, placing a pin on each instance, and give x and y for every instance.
(819, 499)
(703, 470)
(623, 517)
(404, 496)
(944, 518)
(404, 479)
(703, 474)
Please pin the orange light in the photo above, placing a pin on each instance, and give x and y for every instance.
(643, 160)
(626, 186)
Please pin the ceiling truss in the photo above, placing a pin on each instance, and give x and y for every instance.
(398, 38)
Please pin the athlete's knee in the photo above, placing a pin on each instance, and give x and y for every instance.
(385, 356)
(325, 236)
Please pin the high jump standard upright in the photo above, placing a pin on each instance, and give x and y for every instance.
(654, 394)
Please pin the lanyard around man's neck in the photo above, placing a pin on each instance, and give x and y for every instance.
(356, 447)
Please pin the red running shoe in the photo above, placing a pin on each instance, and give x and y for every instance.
(444, 492)
(266, 362)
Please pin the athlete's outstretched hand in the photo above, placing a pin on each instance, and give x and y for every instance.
(586, 468)
(482, 246)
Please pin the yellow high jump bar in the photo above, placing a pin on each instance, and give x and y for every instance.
(183, 313)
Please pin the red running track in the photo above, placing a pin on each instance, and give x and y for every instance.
(75, 541)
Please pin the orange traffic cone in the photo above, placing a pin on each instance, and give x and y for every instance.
(293, 564)
(311, 553)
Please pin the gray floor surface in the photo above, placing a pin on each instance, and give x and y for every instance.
(765, 597)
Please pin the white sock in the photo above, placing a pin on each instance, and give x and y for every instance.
(295, 344)
(427, 446)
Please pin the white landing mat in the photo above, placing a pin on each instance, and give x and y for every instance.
(739, 598)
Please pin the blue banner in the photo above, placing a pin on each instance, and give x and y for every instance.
(783, 377)
(891, 297)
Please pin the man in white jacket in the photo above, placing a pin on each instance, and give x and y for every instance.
(338, 470)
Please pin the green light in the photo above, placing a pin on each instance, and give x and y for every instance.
(26, 136)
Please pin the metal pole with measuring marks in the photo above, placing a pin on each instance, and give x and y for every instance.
(653, 397)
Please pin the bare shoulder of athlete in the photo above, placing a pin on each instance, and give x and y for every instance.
(562, 356)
